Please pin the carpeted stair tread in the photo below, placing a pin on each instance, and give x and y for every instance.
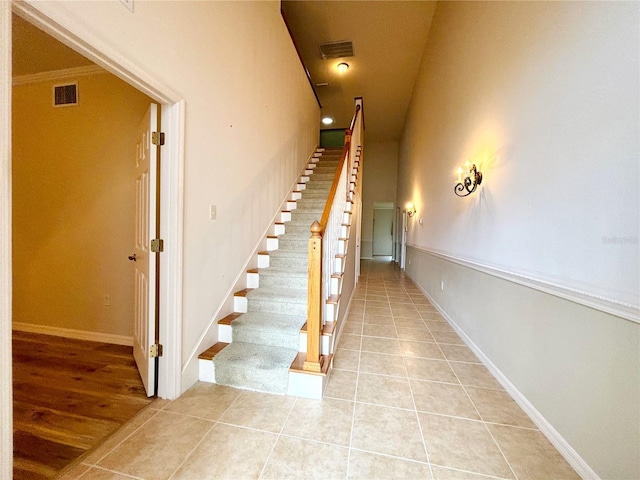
(275, 330)
(275, 294)
(254, 367)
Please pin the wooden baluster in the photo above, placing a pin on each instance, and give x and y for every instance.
(314, 310)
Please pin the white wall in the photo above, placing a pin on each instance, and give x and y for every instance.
(544, 98)
(251, 123)
(380, 170)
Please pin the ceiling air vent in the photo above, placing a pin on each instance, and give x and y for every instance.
(65, 95)
(339, 49)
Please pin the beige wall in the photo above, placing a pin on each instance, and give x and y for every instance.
(74, 205)
(380, 174)
(544, 97)
(251, 122)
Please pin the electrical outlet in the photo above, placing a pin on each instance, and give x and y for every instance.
(442, 285)
(107, 300)
(212, 212)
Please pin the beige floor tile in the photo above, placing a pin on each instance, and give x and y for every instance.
(428, 369)
(119, 436)
(73, 472)
(368, 466)
(531, 455)
(377, 311)
(95, 473)
(474, 375)
(342, 384)
(382, 390)
(418, 332)
(228, 452)
(498, 407)
(447, 337)
(442, 473)
(407, 314)
(388, 431)
(462, 444)
(381, 345)
(355, 318)
(378, 320)
(382, 364)
(443, 399)
(437, 324)
(157, 448)
(160, 403)
(377, 297)
(460, 353)
(386, 331)
(401, 322)
(345, 359)
(259, 410)
(294, 458)
(205, 400)
(326, 420)
(411, 348)
(353, 327)
(377, 304)
(349, 341)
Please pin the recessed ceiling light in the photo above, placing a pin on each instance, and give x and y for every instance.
(343, 67)
(327, 120)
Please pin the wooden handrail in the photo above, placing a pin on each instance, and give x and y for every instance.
(336, 179)
(315, 268)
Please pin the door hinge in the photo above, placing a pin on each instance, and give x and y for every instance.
(157, 138)
(155, 350)
(157, 245)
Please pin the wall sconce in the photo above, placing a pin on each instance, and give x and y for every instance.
(411, 209)
(470, 182)
(343, 67)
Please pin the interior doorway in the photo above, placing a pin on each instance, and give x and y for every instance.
(171, 174)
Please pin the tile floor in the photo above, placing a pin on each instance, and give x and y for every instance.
(406, 399)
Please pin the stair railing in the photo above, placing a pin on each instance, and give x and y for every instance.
(324, 258)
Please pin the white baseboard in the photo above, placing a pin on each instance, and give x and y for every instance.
(71, 333)
(566, 450)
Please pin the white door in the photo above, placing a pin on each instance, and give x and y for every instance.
(145, 261)
(382, 231)
(403, 241)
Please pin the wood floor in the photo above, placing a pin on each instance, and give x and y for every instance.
(68, 396)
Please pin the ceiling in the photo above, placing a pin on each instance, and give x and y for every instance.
(34, 51)
(388, 41)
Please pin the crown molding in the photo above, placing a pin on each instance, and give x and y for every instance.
(58, 75)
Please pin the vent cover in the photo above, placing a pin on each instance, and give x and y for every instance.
(65, 95)
(343, 48)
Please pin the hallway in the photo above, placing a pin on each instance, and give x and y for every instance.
(406, 399)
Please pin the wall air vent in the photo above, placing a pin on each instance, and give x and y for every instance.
(65, 95)
(339, 49)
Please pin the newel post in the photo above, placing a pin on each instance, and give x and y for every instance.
(314, 312)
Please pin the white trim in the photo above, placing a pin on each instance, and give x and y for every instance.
(566, 450)
(56, 75)
(84, 42)
(612, 307)
(6, 391)
(72, 333)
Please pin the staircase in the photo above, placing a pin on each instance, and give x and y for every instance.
(260, 341)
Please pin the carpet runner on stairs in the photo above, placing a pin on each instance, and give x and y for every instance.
(266, 339)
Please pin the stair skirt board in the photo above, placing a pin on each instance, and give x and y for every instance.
(263, 339)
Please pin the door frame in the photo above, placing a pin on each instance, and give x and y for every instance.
(171, 175)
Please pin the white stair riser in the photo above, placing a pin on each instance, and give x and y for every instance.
(225, 333)
(240, 304)
(253, 280)
(263, 261)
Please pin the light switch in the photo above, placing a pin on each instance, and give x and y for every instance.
(212, 212)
